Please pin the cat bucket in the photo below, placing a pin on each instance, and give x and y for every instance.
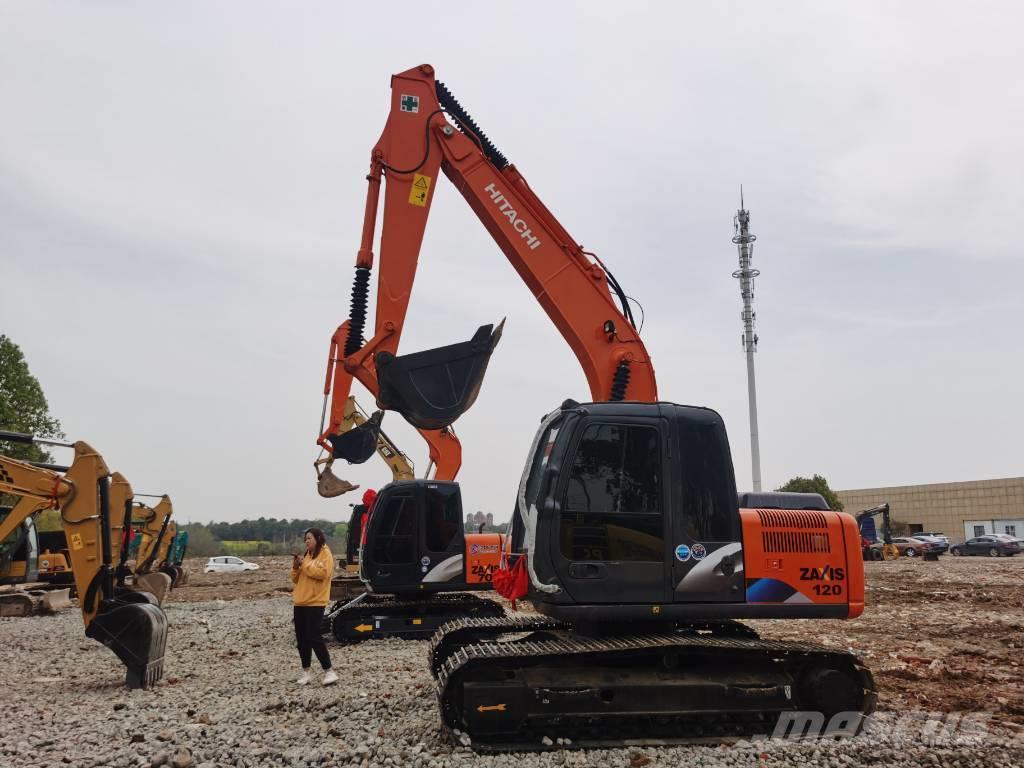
(357, 444)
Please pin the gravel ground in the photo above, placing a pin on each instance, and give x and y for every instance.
(228, 697)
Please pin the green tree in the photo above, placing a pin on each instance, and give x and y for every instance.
(201, 542)
(23, 406)
(816, 484)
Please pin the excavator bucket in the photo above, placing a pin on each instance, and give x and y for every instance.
(359, 443)
(137, 633)
(330, 485)
(432, 388)
(156, 584)
(55, 600)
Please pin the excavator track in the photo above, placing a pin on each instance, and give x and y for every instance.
(374, 617)
(556, 689)
(460, 632)
(470, 631)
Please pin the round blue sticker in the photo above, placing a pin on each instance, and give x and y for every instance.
(699, 553)
(682, 553)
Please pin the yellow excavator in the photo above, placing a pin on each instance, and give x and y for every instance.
(177, 572)
(152, 533)
(329, 485)
(22, 590)
(128, 622)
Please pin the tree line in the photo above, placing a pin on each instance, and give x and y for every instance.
(265, 536)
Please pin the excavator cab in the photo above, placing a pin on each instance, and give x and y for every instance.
(639, 503)
(419, 565)
(432, 388)
(19, 552)
(415, 539)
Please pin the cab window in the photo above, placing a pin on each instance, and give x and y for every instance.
(612, 506)
(443, 517)
(394, 540)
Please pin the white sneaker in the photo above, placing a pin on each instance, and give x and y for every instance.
(330, 677)
(303, 678)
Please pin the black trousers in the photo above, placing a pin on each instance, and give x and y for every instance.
(307, 620)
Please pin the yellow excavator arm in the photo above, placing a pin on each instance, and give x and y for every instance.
(165, 544)
(400, 465)
(129, 623)
(39, 488)
(153, 526)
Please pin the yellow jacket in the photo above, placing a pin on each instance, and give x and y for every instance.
(312, 579)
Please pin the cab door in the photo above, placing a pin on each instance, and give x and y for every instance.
(392, 539)
(611, 504)
(707, 543)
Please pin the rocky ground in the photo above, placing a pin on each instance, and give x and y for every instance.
(943, 637)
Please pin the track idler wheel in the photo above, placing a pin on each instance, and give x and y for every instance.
(432, 388)
(830, 691)
(137, 634)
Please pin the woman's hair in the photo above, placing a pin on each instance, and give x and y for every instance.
(321, 539)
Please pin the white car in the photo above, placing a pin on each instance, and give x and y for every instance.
(228, 563)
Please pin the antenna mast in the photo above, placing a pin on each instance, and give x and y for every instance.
(745, 274)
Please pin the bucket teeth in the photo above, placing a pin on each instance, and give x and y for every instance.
(137, 634)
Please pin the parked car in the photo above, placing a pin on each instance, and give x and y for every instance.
(936, 534)
(912, 547)
(221, 564)
(1009, 537)
(941, 544)
(990, 545)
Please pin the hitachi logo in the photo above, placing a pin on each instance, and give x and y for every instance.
(518, 224)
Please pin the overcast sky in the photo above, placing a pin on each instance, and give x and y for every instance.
(182, 187)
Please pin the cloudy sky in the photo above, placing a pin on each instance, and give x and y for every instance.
(181, 192)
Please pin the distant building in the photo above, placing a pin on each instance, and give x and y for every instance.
(959, 510)
(475, 519)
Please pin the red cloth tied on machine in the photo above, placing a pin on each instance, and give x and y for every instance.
(513, 582)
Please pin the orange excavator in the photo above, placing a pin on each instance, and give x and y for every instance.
(627, 536)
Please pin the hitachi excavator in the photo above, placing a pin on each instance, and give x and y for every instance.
(128, 622)
(627, 535)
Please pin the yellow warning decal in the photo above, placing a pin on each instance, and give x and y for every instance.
(419, 190)
(364, 628)
(417, 621)
(76, 541)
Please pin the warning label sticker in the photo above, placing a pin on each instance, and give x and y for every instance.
(76, 541)
(420, 190)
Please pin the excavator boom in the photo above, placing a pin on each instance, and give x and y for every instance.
(571, 285)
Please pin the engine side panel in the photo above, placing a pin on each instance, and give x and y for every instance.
(802, 557)
(483, 556)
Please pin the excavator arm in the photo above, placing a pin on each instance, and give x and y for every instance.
(39, 488)
(154, 525)
(572, 285)
(329, 485)
(131, 626)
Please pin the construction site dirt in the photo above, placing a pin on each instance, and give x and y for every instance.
(946, 635)
(940, 637)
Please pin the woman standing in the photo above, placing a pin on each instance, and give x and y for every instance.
(311, 575)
